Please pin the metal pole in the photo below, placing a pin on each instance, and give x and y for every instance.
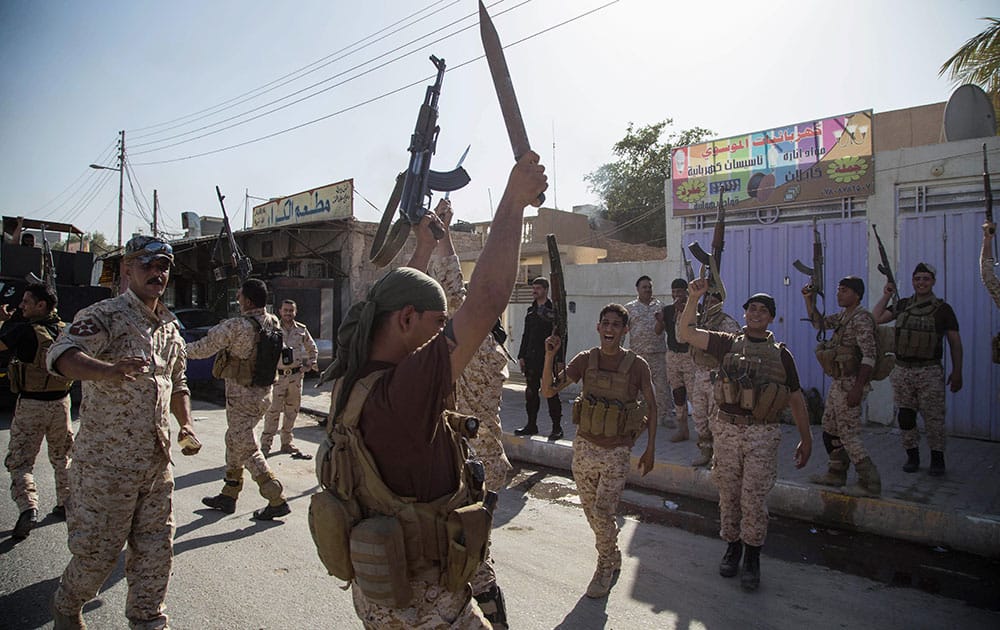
(121, 186)
(156, 207)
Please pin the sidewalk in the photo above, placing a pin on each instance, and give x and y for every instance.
(960, 510)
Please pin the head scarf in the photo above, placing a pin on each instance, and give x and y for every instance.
(397, 289)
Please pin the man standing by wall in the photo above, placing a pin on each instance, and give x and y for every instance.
(531, 357)
(297, 358)
(848, 358)
(646, 341)
(129, 354)
(923, 321)
(42, 405)
(235, 340)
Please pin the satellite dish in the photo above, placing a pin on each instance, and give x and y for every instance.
(969, 114)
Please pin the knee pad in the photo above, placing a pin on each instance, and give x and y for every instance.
(680, 396)
(270, 488)
(831, 442)
(492, 604)
(907, 418)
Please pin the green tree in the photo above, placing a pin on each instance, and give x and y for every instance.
(978, 62)
(98, 243)
(631, 188)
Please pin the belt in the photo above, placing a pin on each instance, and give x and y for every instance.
(288, 371)
(903, 363)
(745, 421)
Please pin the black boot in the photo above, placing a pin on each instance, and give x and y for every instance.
(557, 432)
(730, 564)
(271, 512)
(750, 579)
(529, 429)
(221, 502)
(25, 523)
(937, 464)
(912, 460)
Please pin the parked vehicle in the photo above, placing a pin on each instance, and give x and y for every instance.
(194, 324)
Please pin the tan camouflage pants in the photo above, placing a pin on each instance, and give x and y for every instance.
(34, 420)
(433, 606)
(600, 479)
(703, 405)
(245, 406)
(746, 467)
(922, 390)
(658, 372)
(681, 372)
(844, 421)
(286, 398)
(112, 508)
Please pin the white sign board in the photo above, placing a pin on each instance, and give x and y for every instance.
(335, 201)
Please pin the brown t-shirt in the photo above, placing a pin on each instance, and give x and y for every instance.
(636, 374)
(401, 423)
(720, 343)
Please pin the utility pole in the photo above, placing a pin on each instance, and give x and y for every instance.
(121, 185)
(156, 207)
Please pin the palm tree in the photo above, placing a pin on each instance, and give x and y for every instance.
(978, 61)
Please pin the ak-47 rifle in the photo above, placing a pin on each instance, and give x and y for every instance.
(412, 192)
(241, 262)
(688, 271)
(988, 189)
(560, 324)
(885, 268)
(713, 262)
(815, 274)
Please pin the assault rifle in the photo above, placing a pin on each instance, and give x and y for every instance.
(815, 274)
(688, 271)
(48, 267)
(412, 192)
(885, 268)
(560, 324)
(713, 262)
(988, 189)
(241, 262)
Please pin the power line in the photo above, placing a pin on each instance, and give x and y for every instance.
(87, 171)
(365, 102)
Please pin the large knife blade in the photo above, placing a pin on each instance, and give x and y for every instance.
(504, 87)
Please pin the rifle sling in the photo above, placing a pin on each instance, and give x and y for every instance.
(388, 242)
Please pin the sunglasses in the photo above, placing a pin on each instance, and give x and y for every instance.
(147, 248)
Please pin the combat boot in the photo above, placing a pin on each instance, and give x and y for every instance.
(869, 483)
(836, 472)
(912, 464)
(25, 523)
(750, 578)
(730, 564)
(67, 622)
(936, 468)
(600, 584)
(221, 502)
(529, 429)
(271, 512)
(557, 432)
(705, 458)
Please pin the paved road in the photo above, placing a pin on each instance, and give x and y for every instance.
(233, 573)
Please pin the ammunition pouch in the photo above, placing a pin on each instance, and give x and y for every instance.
(838, 361)
(378, 557)
(227, 366)
(771, 399)
(330, 522)
(15, 374)
(725, 389)
(600, 417)
(916, 344)
(468, 531)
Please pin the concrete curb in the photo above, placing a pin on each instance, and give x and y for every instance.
(974, 533)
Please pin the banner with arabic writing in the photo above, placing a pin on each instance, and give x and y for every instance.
(812, 161)
(335, 201)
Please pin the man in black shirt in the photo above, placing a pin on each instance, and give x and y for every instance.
(680, 366)
(531, 357)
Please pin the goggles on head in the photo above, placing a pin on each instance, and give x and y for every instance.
(145, 249)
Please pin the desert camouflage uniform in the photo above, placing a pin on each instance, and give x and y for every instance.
(245, 406)
(746, 467)
(680, 372)
(921, 388)
(989, 276)
(702, 396)
(644, 342)
(121, 486)
(433, 606)
(34, 420)
(600, 475)
(477, 393)
(286, 393)
(839, 418)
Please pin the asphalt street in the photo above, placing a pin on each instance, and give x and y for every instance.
(231, 572)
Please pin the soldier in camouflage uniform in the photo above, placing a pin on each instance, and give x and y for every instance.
(848, 358)
(923, 322)
(755, 382)
(610, 418)
(987, 266)
(286, 394)
(645, 339)
(702, 396)
(129, 354)
(681, 369)
(42, 405)
(236, 341)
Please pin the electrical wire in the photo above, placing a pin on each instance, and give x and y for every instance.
(87, 171)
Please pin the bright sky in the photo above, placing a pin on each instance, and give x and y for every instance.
(75, 73)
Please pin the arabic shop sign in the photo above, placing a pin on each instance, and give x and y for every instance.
(812, 161)
(320, 204)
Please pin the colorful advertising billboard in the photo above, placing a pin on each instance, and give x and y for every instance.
(818, 160)
(335, 201)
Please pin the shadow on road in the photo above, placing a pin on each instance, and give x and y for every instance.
(29, 607)
(588, 613)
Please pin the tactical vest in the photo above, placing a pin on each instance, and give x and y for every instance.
(366, 533)
(838, 358)
(916, 332)
(228, 365)
(603, 408)
(752, 376)
(701, 358)
(34, 377)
